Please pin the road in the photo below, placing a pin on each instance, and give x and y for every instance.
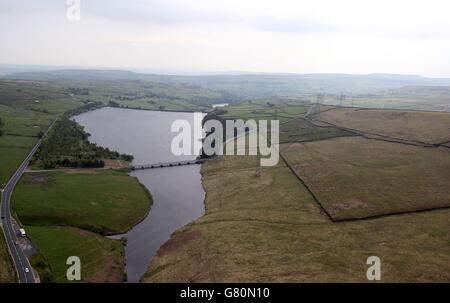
(18, 256)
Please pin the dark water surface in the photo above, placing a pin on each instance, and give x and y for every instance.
(177, 191)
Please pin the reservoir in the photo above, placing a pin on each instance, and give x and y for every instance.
(178, 196)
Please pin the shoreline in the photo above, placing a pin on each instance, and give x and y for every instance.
(123, 235)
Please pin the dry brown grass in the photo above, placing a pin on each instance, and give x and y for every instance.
(356, 177)
(269, 229)
(427, 127)
(114, 163)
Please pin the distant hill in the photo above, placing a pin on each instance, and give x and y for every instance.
(75, 74)
(443, 91)
(292, 85)
(248, 86)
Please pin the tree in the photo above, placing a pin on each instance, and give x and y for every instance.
(113, 103)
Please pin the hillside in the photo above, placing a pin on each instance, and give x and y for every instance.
(251, 85)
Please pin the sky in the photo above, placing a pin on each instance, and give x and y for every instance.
(289, 36)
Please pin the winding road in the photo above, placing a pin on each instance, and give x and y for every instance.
(18, 256)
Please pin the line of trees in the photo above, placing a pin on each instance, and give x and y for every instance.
(82, 109)
(68, 146)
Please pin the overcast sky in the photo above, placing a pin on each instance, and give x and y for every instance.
(345, 36)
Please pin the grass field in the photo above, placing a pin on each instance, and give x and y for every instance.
(102, 201)
(427, 127)
(435, 98)
(24, 122)
(266, 227)
(356, 177)
(159, 104)
(7, 274)
(266, 110)
(101, 258)
(21, 133)
(13, 150)
(300, 130)
(269, 229)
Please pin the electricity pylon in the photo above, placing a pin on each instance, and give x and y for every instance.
(341, 99)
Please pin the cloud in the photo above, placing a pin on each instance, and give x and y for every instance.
(419, 18)
(256, 35)
(380, 16)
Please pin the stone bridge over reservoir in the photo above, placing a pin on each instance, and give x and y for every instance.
(167, 164)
